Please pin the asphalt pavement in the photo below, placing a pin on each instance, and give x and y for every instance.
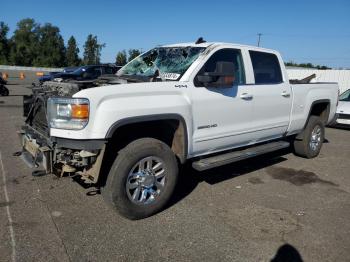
(270, 207)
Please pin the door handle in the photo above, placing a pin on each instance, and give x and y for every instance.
(285, 94)
(246, 96)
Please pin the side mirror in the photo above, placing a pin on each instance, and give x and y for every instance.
(223, 76)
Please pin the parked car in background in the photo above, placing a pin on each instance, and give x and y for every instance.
(70, 69)
(343, 109)
(88, 72)
(48, 77)
(51, 75)
(82, 73)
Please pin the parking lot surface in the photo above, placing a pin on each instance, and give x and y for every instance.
(257, 210)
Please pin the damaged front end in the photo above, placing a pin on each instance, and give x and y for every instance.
(56, 155)
(59, 156)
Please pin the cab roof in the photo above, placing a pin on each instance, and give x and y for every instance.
(207, 44)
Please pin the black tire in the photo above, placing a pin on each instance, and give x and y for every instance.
(4, 91)
(115, 191)
(302, 143)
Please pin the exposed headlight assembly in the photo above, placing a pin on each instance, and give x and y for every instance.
(68, 113)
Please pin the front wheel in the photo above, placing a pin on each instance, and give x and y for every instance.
(142, 178)
(308, 143)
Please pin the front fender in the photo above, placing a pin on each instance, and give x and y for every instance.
(111, 106)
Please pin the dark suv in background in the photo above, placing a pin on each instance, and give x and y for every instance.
(83, 73)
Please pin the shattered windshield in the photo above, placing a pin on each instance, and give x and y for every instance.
(171, 62)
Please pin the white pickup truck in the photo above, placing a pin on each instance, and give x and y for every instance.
(208, 103)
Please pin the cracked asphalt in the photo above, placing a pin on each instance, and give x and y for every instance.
(272, 207)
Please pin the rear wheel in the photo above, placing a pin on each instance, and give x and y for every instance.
(308, 143)
(142, 178)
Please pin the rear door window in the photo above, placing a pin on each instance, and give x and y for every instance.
(266, 68)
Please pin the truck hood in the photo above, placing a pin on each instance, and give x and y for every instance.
(145, 89)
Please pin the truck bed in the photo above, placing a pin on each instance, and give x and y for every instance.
(304, 96)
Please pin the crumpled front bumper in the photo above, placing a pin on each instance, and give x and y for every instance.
(37, 150)
(70, 155)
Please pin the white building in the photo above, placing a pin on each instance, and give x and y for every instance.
(342, 77)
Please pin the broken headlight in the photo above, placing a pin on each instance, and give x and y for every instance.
(68, 113)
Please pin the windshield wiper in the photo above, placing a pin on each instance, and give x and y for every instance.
(135, 78)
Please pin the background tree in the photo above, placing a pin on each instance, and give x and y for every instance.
(92, 50)
(24, 47)
(133, 53)
(307, 65)
(121, 59)
(72, 54)
(4, 44)
(51, 50)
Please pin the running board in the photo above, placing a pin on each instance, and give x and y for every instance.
(228, 158)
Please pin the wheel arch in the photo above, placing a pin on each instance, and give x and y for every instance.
(179, 143)
(319, 108)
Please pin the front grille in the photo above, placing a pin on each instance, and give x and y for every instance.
(38, 118)
(343, 116)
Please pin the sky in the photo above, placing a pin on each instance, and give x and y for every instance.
(302, 30)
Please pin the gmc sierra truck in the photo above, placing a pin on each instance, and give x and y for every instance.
(208, 103)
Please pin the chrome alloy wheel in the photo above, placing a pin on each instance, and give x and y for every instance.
(315, 140)
(146, 180)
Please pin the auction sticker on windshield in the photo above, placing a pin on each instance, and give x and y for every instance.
(170, 76)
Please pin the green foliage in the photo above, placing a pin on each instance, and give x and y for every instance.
(32, 45)
(4, 43)
(72, 53)
(133, 53)
(307, 65)
(92, 50)
(24, 49)
(121, 58)
(51, 52)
